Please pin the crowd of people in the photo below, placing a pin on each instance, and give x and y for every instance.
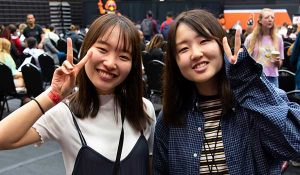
(31, 39)
(223, 112)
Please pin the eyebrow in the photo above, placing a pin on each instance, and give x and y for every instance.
(181, 42)
(185, 40)
(103, 42)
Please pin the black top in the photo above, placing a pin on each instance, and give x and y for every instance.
(34, 32)
(90, 162)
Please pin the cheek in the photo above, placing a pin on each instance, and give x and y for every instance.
(182, 61)
(89, 67)
(219, 65)
(124, 69)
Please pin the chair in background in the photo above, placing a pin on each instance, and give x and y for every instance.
(287, 83)
(286, 80)
(47, 67)
(154, 71)
(33, 80)
(294, 96)
(62, 47)
(146, 57)
(8, 89)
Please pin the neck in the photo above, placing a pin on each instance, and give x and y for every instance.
(209, 88)
(31, 25)
(265, 31)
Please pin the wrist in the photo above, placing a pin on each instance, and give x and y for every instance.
(54, 96)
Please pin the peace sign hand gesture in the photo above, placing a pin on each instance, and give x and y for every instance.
(64, 77)
(237, 47)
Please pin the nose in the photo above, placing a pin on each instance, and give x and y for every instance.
(197, 52)
(110, 63)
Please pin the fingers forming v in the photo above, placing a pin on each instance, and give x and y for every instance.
(69, 50)
(237, 45)
(237, 42)
(227, 49)
(83, 61)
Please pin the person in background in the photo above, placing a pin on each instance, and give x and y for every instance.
(33, 50)
(21, 28)
(109, 125)
(143, 44)
(149, 26)
(154, 47)
(262, 41)
(6, 59)
(15, 37)
(73, 34)
(52, 35)
(220, 114)
(34, 30)
(165, 26)
(222, 20)
(14, 51)
(51, 50)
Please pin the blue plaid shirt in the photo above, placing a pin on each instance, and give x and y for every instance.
(261, 131)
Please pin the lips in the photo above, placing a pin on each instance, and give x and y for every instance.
(200, 66)
(106, 75)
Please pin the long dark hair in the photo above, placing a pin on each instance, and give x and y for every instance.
(128, 95)
(177, 90)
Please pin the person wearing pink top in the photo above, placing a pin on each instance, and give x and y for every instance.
(263, 41)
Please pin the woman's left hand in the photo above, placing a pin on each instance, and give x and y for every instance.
(237, 47)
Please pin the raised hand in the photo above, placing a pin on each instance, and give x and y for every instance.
(64, 77)
(237, 45)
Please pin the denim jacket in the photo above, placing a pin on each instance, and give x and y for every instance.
(261, 130)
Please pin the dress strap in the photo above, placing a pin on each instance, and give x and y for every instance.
(83, 142)
(116, 168)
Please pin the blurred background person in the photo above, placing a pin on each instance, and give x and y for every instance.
(33, 50)
(154, 47)
(149, 26)
(262, 41)
(52, 35)
(34, 30)
(165, 26)
(6, 59)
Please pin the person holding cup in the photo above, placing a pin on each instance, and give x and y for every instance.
(266, 46)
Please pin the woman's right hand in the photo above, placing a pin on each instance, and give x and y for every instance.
(64, 77)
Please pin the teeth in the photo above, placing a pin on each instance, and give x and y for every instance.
(106, 75)
(201, 65)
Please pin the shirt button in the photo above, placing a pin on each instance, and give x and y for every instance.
(195, 155)
(199, 129)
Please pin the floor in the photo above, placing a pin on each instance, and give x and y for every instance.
(47, 159)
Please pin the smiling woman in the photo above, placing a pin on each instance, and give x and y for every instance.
(106, 122)
(212, 99)
(110, 64)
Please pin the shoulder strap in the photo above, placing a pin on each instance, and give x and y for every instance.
(116, 169)
(83, 142)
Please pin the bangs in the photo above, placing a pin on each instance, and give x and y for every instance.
(204, 26)
(200, 28)
(124, 43)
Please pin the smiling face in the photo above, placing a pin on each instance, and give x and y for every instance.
(110, 63)
(199, 59)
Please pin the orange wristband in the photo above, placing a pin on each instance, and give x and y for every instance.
(54, 96)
